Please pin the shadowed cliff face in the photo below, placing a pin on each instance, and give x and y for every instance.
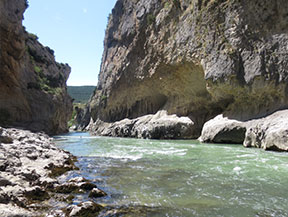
(32, 84)
(193, 58)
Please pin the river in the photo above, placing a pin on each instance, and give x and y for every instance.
(182, 177)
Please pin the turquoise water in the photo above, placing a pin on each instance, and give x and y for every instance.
(183, 178)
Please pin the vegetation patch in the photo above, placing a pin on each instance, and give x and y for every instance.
(33, 36)
(45, 83)
(151, 19)
(37, 69)
(81, 94)
(103, 98)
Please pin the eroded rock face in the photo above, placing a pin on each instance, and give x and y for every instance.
(32, 84)
(193, 58)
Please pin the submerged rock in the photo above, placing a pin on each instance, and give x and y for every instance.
(130, 211)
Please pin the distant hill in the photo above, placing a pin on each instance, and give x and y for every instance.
(80, 94)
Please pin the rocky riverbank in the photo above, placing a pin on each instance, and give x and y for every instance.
(29, 167)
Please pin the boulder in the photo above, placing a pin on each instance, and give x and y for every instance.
(87, 209)
(269, 133)
(96, 192)
(158, 126)
(75, 185)
(9, 210)
(223, 130)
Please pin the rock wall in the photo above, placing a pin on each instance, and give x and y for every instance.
(32, 84)
(195, 58)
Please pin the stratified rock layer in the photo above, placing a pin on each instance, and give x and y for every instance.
(32, 84)
(193, 58)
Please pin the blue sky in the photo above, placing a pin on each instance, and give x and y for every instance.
(75, 30)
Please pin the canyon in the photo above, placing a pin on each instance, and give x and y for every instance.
(212, 70)
(192, 58)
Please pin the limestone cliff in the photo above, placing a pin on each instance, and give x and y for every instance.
(195, 58)
(32, 84)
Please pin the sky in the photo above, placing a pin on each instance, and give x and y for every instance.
(75, 30)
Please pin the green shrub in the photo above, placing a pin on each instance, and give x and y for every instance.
(151, 19)
(37, 69)
(81, 94)
(33, 36)
(167, 5)
(103, 98)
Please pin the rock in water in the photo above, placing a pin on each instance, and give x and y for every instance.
(32, 84)
(88, 209)
(95, 192)
(158, 126)
(196, 59)
(269, 133)
(223, 130)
